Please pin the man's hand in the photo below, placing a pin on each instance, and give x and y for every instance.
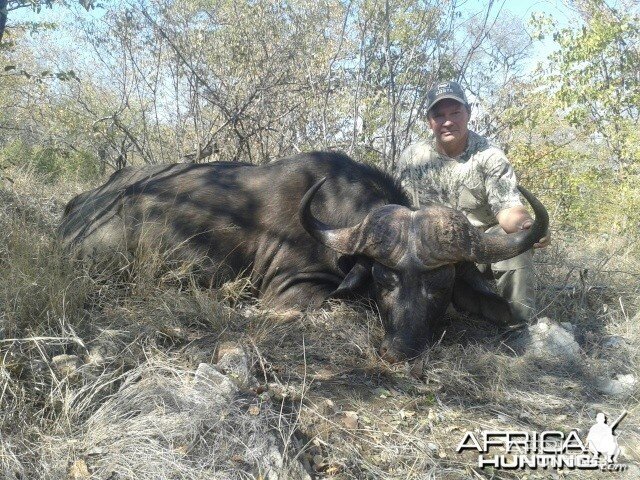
(517, 218)
(544, 241)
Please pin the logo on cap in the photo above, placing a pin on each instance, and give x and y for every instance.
(444, 90)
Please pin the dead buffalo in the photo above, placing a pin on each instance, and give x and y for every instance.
(305, 228)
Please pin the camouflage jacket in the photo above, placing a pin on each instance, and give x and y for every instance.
(480, 182)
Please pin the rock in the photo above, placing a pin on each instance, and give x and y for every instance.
(620, 386)
(327, 407)
(568, 326)
(208, 378)
(350, 420)
(66, 365)
(614, 342)
(106, 347)
(254, 410)
(78, 471)
(525, 416)
(229, 348)
(232, 361)
(432, 416)
(548, 339)
(504, 418)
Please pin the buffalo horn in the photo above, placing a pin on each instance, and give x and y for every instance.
(342, 240)
(497, 247)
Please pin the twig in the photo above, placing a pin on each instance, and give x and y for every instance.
(262, 363)
(43, 339)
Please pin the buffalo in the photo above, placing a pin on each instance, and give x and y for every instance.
(304, 229)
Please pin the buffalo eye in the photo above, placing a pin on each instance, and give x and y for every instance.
(384, 276)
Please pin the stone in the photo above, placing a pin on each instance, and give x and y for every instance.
(548, 339)
(350, 420)
(232, 361)
(614, 342)
(327, 407)
(568, 326)
(210, 381)
(78, 471)
(620, 386)
(106, 347)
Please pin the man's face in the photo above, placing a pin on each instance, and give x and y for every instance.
(448, 119)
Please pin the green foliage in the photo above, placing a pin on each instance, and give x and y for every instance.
(579, 193)
(7, 6)
(52, 163)
(42, 76)
(574, 130)
(597, 78)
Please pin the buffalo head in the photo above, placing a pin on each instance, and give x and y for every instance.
(411, 257)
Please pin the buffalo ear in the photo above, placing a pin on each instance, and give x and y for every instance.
(357, 277)
(473, 294)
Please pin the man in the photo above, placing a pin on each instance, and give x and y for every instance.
(465, 171)
(601, 440)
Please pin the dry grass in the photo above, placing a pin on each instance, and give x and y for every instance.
(128, 408)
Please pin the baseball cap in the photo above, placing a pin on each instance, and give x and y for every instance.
(451, 90)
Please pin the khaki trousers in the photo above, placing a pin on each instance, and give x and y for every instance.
(516, 281)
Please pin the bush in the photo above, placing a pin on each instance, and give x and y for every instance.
(50, 162)
(580, 189)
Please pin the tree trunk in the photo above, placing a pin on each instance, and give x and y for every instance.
(3, 16)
